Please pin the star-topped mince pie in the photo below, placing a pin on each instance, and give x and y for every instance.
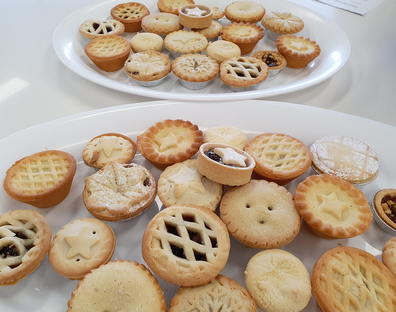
(182, 183)
(81, 246)
(186, 245)
(169, 142)
(332, 207)
(109, 147)
(25, 237)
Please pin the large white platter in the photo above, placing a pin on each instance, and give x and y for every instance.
(44, 290)
(335, 45)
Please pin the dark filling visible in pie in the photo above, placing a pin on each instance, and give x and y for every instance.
(146, 182)
(270, 60)
(188, 218)
(108, 28)
(178, 251)
(199, 257)
(8, 251)
(388, 203)
(195, 237)
(171, 229)
(214, 242)
(213, 156)
(95, 26)
(21, 235)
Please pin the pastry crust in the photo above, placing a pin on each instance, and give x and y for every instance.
(298, 51)
(240, 72)
(279, 157)
(227, 135)
(186, 245)
(143, 42)
(119, 192)
(182, 183)
(217, 13)
(232, 295)
(120, 283)
(332, 207)
(25, 237)
(172, 6)
(98, 28)
(223, 172)
(345, 157)
(184, 41)
(382, 207)
(109, 147)
(282, 23)
(169, 141)
(148, 66)
(389, 255)
(212, 32)
(348, 278)
(42, 180)
(195, 67)
(130, 14)
(161, 23)
(278, 281)
(244, 35)
(222, 50)
(195, 16)
(244, 11)
(260, 214)
(108, 53)
(81, 246)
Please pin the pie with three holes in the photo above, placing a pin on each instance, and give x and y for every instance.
(244, 35)
(42, 180)
(244, 11)
(130, 14)
(298, 51)
(217, 295)
(97, 28)
(25, 237)
(109, 147)
(172, 6)
(108, 53)
(169, 141)
(281, 23)
(260, 214)
(161, 23)
(279, 157)
(332, 207)
(225, 164)
(182, 183)
(148, 68)
(350, 279)
(119, 191)
(186, 245)
(81, 246)
(243, 73)
(194, 70)
(120, 285)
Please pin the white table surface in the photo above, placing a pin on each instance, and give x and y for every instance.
(36, 87)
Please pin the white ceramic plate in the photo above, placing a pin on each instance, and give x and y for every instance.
(44, 290)
(69, 46)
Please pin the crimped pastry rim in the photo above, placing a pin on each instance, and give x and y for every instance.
(358, 227)
(267, 23)
(255, 17)
(196, 48)
(145, 12)
(209, 74)
(285, 51)
(111, 57)
(225, 34)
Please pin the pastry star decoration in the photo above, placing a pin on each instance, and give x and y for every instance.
(80, 244)
(195, 12)
(109, 145)
(187, 179)
(169, 141)
(332, 205)
(231, 157)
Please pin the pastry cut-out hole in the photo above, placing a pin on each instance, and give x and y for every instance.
(213, 241)
(207, 226)
(270, 208)
(178, 251)
(93, 232)
(199, 256)
(78, 259)
(247, 206)
(261, 222)
(171, 229)
(188, 218)
(195, 237)
(21, 235)
(8, 251)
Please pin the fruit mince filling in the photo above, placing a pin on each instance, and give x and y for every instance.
(388, 203)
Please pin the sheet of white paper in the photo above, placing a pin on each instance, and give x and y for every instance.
(355, 6)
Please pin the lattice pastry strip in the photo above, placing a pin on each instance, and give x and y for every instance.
(129, 12)
(242, 67)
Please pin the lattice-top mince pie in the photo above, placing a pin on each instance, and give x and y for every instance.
(130, 14)
(169, 141)
(186, 245)
(97, 28)
(42, 180)
(25, 237)
(243, 73)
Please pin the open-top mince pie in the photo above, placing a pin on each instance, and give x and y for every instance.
(25, 237)
(186, 245)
